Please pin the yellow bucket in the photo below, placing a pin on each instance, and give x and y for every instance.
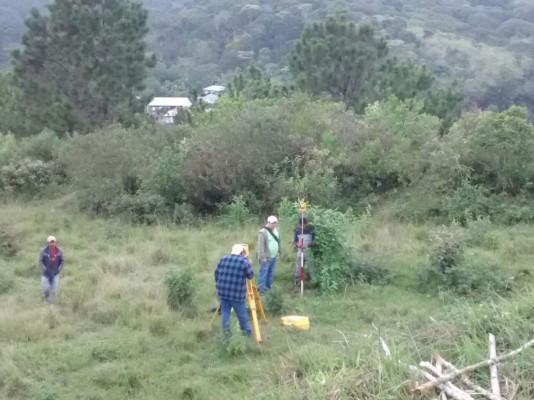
(296, 321)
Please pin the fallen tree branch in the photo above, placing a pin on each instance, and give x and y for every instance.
(450, 392)
(438, 374)
(494, 375)
(466, 380)
(439, 368)
(426, 387)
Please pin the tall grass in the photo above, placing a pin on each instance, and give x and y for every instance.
(112, 335)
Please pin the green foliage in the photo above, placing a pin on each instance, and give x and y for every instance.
(8, 244)
(8, 147)
(78, 68)
(273, 302)
(350, 64)
(473, 278)
(252, 84)
(446, 249)
(480, 232)
(107, 170)
(44, 146)
(449, 270)
(498, 148)
(26, 177)
(181, 290)
(330, 251)
(235, 213)
(369, 271)
(6, 284)
(242, 155)
(338, 58)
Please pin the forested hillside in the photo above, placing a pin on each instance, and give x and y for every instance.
(485, 45)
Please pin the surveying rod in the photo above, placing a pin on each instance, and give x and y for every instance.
(302, 209)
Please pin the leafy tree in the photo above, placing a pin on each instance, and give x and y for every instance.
(252, 84)
(352, 65)
(81, 64)
(338, 58)
(498, 148)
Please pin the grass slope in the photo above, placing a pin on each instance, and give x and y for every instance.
(111, 335)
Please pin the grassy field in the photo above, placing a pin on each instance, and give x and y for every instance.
(112, 336)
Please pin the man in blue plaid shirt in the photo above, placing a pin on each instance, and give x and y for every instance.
(231, 277)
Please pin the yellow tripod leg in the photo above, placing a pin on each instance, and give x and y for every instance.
(214, 315)
(252, 305)
(258, 301)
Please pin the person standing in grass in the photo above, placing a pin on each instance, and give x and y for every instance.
(231, 277)
(269, 246)
(51, 262)
(303, 238)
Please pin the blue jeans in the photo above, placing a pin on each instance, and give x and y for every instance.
(49, 286)
(266, 275)
(240, 308)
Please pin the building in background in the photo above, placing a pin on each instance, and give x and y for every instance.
(165, 109)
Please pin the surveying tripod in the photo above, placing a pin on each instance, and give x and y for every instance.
(254, 303)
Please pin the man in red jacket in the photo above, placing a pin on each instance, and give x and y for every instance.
(51, 262)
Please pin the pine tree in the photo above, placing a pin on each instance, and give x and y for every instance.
(352, 65)
(81, 64)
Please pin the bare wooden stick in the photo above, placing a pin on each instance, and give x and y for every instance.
(450, 392)
(426, 387)
(466, 380)
(494, 375)
(438, 374)
(439, 368)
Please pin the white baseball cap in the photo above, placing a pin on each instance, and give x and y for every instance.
(272, 219)
(51, 239)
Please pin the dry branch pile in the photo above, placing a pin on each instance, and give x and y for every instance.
(454, 383)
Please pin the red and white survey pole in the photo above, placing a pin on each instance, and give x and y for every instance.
(302, 209)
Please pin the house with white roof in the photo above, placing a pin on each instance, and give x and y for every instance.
(164, 109)
(214, 89)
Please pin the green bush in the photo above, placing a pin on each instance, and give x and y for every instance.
(142, 207)
(371, 272)
(181, 290)
(273, 302)
(498, 148)
(26, 176)
(184, 214)
(8, 244)
(234, 213)
(6, 284)
(473, 278)
(45, 146)
(446, 249)
(330, 252)
(106, 165)
(8, 148)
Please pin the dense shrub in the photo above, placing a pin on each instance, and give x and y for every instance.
(498, 148)
(108, 164)
(8, 244)
(26, 176)
(45, 146)
(372, 272)
(181, 289)
(8, 147)
(6, 284)
(446, 249)
(473, 278)
(273, 302)
(243, 151)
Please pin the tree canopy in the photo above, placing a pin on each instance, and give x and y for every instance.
(351, 64)
(80, 65)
